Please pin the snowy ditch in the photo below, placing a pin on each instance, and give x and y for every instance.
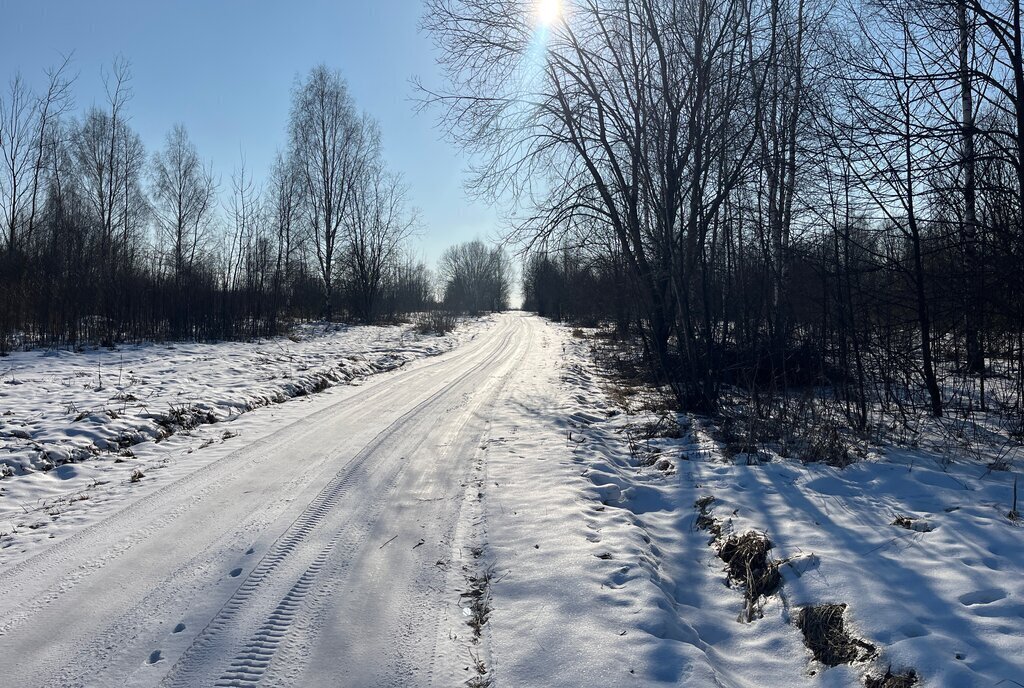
(704, 567)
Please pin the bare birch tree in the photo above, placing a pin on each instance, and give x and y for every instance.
(331, 144)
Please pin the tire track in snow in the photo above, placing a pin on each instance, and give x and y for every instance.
(82, 653)
(254, 655)
(466, 530)
(418, 606)
(183, 493)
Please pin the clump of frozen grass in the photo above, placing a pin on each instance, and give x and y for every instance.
(827, 637)
(185, 417)
(705, 520)
(746, 556)
(907, 679)
(1014, 515)
(478, 595)
(482, 678)
(917, 524)
(748, 564)
(479, 598)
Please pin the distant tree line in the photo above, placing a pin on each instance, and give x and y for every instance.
(769, 193)
(103, 241)
(477, 278)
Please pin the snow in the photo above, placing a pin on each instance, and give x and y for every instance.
(314, 544)
(74, 425)
(605, 578)
(350, 536)
(62, 406)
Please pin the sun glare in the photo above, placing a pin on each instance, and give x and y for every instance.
(549, 11)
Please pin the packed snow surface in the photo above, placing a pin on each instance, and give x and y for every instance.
(74, 426)
(312, 545)
(490, 516)
(603, 576)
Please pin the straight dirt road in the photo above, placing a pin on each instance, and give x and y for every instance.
(313, 556)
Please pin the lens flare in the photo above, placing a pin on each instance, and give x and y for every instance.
(549, 11)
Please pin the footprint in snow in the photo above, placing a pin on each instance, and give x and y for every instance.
(235, 573)
(992, 563)
(913, 630)
(155, 656)
(179, 628)
(986, 596)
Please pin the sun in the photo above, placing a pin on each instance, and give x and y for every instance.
(549, 11)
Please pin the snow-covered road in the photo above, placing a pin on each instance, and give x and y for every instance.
(498, 516)
(317, 555)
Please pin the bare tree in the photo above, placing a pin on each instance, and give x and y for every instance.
(17, 139)
(50, 108)
(378, 226)
(284, 197)
(332, 145)
(244, 214)
(965, 31)
(641, 116)
(111, 158)
(183, 192)
(476, 278)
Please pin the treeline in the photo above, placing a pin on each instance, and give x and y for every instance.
(477, 278)
(102, 240)
(771, 193)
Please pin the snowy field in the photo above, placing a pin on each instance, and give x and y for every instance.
(75, 427)
(500, 515)
(604, 572)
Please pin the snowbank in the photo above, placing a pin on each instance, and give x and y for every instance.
(63, 407)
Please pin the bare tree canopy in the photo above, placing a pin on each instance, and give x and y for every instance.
(379, 225)
(769, 192)
(333, 146)
(184, 194)
(476, 278)
(100, 241)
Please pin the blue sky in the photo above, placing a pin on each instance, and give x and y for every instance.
(225, 68)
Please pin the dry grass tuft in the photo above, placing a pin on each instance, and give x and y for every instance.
(748, 564)
(705, 521)
(912, 524)
(478, 597)
(907, 679)
(826, 636)
(481, 679)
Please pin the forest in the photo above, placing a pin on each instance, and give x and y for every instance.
(102, 241)
(771, 195)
